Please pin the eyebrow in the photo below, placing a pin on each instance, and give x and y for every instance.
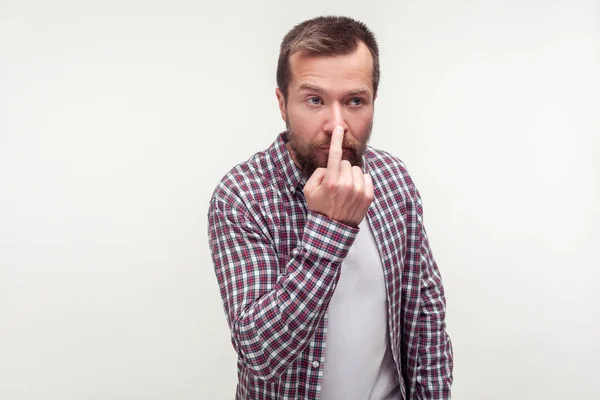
(359, 91)
(313, 88)
(310, 88)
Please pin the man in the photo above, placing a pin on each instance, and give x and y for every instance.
(324, 266)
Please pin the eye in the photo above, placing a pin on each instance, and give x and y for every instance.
(357, 101)
(314, 101)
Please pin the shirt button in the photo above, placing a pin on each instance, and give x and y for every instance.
(315, 364)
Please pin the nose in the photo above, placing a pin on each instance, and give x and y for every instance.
(335, 117)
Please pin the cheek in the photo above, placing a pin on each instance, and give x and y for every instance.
(304, 119)
(362, 125)
(307, 126)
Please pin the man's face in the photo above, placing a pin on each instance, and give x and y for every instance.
(326, 91)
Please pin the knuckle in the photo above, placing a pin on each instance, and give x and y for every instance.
(331, 185)
(346, 185)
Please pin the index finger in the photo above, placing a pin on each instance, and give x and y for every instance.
(335, 151)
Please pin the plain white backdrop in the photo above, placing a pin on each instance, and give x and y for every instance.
(117, 119)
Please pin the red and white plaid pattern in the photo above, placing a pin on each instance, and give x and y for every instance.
(278, 263)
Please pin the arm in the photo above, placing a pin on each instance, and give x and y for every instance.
(273, 317)
(435, 358)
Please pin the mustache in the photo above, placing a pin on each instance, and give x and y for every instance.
(351, 144)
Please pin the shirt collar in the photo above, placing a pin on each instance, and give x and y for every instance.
(288, 173)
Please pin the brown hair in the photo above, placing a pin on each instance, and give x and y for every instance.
(326, 35)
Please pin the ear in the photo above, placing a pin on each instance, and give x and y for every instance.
(281, 101)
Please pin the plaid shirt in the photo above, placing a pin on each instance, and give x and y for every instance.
(278, 263)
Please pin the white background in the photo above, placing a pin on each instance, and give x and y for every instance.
(117, 119)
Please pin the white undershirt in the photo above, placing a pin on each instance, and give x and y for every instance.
(358, 359)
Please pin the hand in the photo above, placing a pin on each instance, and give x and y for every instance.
(340, 191)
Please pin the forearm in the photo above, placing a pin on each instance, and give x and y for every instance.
(273, 316)
(274, 329)
(435, 359)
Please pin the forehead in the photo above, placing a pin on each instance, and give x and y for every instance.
(341, 72)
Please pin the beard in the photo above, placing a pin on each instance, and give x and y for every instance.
(306, 153)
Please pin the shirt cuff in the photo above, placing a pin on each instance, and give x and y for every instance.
(326, 237)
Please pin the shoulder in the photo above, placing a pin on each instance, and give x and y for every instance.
(246, 182)
(390, 173)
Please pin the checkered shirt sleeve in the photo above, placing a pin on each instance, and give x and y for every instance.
(273, 317)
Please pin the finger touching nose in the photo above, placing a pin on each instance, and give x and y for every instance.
(336, 119)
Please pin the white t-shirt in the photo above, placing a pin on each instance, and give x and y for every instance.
(358, 359)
